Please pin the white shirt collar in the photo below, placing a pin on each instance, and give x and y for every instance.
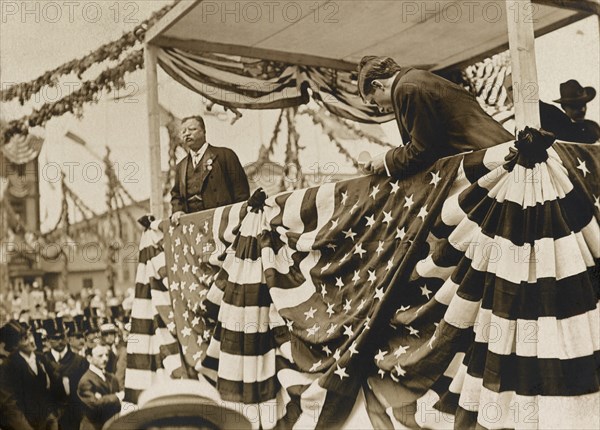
(197, 155)
(58, 355)
(98, 372)
(31, 361)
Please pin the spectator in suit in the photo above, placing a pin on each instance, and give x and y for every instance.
(27, 380)
(108, 333)
(66, 369)
(11, 416)
(435, 117)
(571, 124)
(117, 355)
(98, 390)
(75, 335)
(91, 330)
(209, 177)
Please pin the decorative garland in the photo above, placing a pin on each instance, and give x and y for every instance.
(292, 151)
(110, 79)
(275, 135)
(109, 51)
(174, 142)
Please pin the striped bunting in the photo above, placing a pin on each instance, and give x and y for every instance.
(465, 296)
(152, 351)
(509, 333)
(22, 149)
(249, 83)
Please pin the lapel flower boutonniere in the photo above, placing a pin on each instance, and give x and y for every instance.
(209, 163)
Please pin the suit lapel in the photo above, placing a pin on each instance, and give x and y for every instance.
(27, 368)
(100, 384)
(183, 181)
(206, 165)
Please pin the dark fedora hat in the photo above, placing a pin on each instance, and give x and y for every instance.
(571, 92)
(180, 403)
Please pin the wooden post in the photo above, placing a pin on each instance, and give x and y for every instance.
(520, 15)
(156, 195)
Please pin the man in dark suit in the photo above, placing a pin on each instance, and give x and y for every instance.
(436, 118)
(208, 177)
(98, 390)
(27, 380)
(571, 124)
(66, 369)
(11, 416)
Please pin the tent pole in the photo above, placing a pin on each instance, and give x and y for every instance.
(520, 15)
(156, 197)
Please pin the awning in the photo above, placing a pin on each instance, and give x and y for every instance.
(250, 56)
(337, 34)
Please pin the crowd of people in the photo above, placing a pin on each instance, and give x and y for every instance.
(34, 302)
(65, 371)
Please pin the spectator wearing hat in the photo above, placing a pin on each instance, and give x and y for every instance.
(182, 403)
(91, 329)
(40, 336)
(75, 335)
(66, 369)
(571, 125)
(26, 378)
(108, 332)
(10, 334)
(98, 390)
(117, 355)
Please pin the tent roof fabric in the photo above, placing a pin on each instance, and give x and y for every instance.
(336, 34)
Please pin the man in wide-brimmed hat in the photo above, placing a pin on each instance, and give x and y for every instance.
(573, 99)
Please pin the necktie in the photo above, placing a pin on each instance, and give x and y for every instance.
(195, 160)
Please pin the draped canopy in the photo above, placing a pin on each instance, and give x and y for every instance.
(254, 56)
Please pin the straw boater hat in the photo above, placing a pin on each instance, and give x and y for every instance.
(180, 403)
(571, 92)
(107, 326)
